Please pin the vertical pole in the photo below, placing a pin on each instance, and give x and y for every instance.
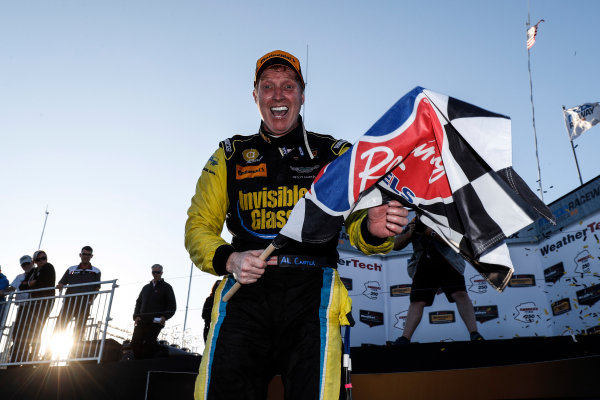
(112, 293)
(305, 83)
(572, 146)
(533, 111)
(187, 304)
(44, 228)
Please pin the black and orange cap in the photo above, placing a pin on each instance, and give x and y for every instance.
(278, 57)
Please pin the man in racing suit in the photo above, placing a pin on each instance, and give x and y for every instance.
(286, 317)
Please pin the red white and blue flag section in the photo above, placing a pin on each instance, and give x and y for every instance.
(449, 160)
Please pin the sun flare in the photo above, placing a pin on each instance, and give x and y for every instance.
(60, 345)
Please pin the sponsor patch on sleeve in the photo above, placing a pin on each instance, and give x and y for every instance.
(210, 165)
(339, 146)
(228, 147)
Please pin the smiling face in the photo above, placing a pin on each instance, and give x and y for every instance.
(279, 98)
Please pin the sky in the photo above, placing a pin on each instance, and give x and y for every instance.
(110, 109)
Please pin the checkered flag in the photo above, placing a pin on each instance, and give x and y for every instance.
(449, 160)
(478, 200)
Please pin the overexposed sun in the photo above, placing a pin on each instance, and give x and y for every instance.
(60, 345)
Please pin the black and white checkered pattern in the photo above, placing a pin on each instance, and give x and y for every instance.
(449, 160)
(489, 201)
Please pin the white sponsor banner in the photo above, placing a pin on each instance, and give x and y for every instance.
(571, 267)
(581, 118)
(365, 278)
(555, 291)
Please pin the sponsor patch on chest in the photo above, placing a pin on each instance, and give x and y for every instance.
(305, 170)
(251, 156)
(251, 171)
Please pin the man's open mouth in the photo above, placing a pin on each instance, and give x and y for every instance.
(279, 111)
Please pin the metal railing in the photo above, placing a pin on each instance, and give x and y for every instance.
(39, 328)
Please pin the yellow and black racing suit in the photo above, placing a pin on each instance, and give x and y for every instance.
(288, 322)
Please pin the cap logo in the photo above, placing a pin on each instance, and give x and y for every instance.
(293, 60)
(285, 58)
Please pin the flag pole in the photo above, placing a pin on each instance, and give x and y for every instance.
(533, 110)
(305, 83)
(43, 228)
(187, 304)
(572, 146)
(264, 255)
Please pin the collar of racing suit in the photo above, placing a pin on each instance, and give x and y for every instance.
(296, 139)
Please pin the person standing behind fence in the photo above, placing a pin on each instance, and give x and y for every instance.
(43, 276)
(21, 279)
(207, 309)
(19, 333)
(155, 304)
(3, 286)
(77, 305)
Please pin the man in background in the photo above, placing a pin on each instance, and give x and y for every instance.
(207, 309)
(21, 340)
(27, 266)
(433, 265)
(3, 286)
(154, 306)
(76, 304)
(43, 278)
